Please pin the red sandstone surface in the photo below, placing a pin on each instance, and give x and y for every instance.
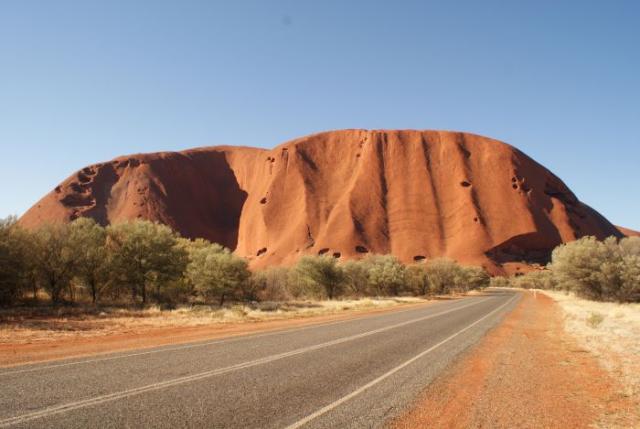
(628, 232)
(415, 194)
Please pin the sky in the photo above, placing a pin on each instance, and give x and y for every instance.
(85, 81)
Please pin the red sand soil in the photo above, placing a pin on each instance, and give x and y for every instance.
(527, 373)
(60, 348)
(415, 194)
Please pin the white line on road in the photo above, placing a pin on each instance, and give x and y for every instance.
(358, 391)
(58, 409)
(205, 344)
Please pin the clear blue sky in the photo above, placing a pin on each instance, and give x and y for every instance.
(85, 81)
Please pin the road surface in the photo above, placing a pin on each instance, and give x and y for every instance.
(347, 374)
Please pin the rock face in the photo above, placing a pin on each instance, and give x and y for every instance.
(415, 194)
(628, 232)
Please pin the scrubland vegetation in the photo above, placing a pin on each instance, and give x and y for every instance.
(142, 263)
(606, 270)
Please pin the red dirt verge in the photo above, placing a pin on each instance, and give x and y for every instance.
(526, 373)
(62, 348)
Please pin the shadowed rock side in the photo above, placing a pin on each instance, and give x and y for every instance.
(195, 192)
(416, 194)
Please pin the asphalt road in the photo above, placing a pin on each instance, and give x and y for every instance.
(347, 374)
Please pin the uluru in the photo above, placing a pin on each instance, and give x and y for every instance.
(414, 194)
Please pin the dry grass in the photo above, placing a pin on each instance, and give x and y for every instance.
(29, 325)
(609, 330)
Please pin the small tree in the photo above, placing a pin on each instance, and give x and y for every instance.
(272, 284)
(470, 278)
(630, 289)
(587, 267)
(442, 274)
(418, 278)
(88, 239)
(54, 259)
(144, 255)
(600, 270)
(216, 272)
(14, 265)
(322, 272)
(356, 277)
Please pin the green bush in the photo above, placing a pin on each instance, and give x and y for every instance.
(142, 262)
(601, 270)
(499, 281)
(418, 279)
(54, 259)
(542, 279)
(356, 278)
(387, 276)
(215, 272)
(272, 284)
(446, 276)
(470, 278)
(91, 260)
(144, 257)
(13, 261)
(443, 275)
(321, 274)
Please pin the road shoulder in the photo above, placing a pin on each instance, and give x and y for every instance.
(525, 373)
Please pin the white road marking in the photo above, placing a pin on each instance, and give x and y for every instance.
(197, 345)
(358, 391)
(58, 409)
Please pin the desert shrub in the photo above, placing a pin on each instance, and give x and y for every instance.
(54, 259)
(268, 306)
(145, 261)
(442, 274)
(630, 246)
(630, 276)
(539, 279)
(322, 274)
(271, 284)
(216, 272)
(356, 278)
(599, 270)
(14, 264)
(418, 279)
(630, 279)
(446, 276)
(173, 292)
(145, 257)
(469, 278)
(91, 263)
(499, 281)
(387, 276)
(594, 320)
